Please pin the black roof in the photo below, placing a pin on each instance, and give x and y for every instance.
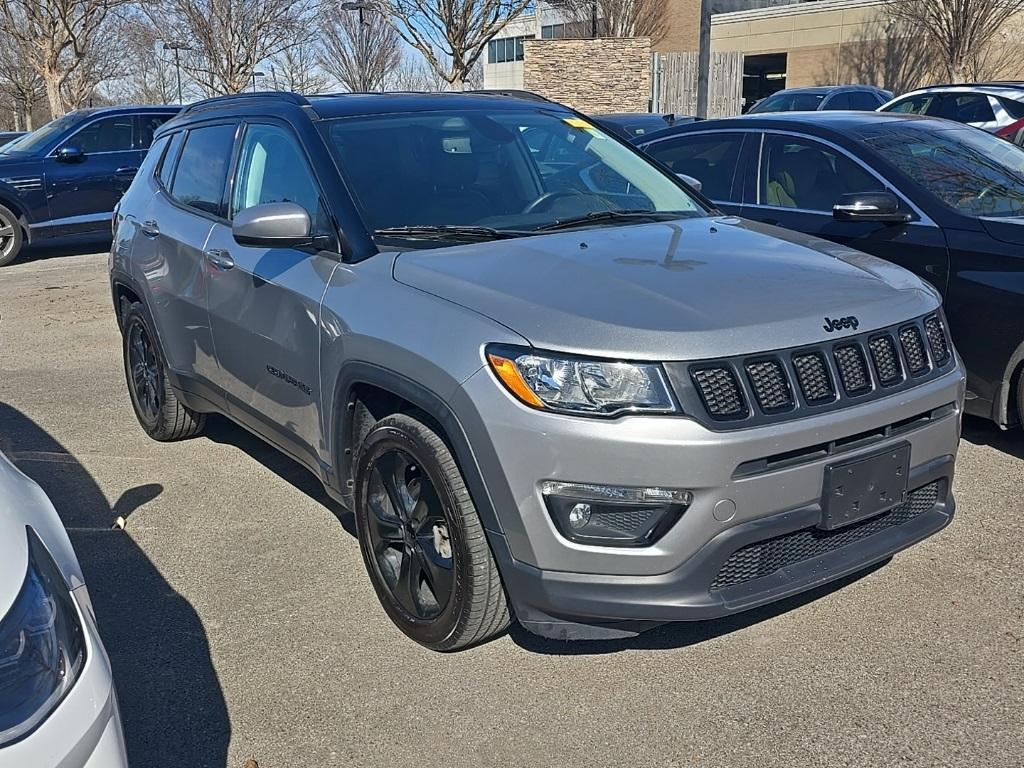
(332, 105)
(808, 122)
(830, 88)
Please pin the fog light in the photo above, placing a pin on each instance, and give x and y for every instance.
(579, 515)
(609, 515)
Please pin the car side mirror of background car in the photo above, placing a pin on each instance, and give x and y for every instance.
(273, 225)
(870, 206)
(690, 180)
(70, 154)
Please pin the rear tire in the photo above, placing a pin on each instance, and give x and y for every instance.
(421, 538)
(11, 236)
(157, 408)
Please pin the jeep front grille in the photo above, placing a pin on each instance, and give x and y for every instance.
(746, 391)
(913, 349)
(853, 369)
(813, 377)
(886, 360)
(771, 388)
(720, 391)
(763, 558)
(936, 339)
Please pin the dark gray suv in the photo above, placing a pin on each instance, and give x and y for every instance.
(551, 385)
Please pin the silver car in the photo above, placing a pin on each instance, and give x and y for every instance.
(550, 380)
(989, 106)
(57, 700)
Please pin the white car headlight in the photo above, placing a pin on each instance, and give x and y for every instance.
(581, 386)
(42, 646)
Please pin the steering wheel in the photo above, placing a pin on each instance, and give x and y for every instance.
(544, 201)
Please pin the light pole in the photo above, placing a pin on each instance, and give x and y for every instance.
(254, 76)
(177, 46)
(357, 5)
(703, 58)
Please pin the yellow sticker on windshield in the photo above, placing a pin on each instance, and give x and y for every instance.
(576, 122)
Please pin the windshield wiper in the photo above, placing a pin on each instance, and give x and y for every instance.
(598, 216)
(449, 232)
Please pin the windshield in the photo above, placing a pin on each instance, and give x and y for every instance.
(520, 170)
(970, 171)
(789, 102)
(31, 142)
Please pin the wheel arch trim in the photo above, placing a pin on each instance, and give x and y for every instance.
(353, 374)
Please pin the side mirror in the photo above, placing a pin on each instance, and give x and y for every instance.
(272, 225)
(870, 206)
(691, 181)
(70, 154)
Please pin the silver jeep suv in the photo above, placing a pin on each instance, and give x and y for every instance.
(548, 378)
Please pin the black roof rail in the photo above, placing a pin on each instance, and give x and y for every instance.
(241, 98)
(518, 94)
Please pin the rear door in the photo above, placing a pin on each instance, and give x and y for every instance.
(801, 178)
(170, 255)
(83, 194)
(264, 303)
(711, 157)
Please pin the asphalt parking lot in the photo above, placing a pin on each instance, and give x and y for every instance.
(239, 620)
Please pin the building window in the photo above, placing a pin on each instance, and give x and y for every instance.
(505, 49)
(552, 31)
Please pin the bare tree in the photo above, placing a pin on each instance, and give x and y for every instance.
(57, 38)
(298, 69)
(414, 74)
(360, 50)
(146, 74)
(20, 85)
(958, 31)
(614, 18)
(231, 38)
(451, 34)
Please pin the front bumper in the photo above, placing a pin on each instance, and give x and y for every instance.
(84, 731)
(565, 589)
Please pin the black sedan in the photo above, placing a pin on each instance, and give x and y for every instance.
(939, 198)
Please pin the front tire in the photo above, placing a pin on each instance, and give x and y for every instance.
(421, 538)
(157, 408)
(11, 236)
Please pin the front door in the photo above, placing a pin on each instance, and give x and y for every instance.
(802, 179)
(83, 194)
(264, 303)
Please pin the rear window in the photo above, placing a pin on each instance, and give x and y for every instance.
(967, 108)
(147, 127)
(170, 156)
(203, 168)
(864, 101)
(789, 102)
(1014, 109)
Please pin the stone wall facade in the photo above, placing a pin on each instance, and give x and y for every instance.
(592, 75)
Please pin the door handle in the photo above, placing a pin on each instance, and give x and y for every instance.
(149, 228)
(126, 169)
(220, 258)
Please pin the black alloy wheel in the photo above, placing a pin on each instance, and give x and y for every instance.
(409, 534)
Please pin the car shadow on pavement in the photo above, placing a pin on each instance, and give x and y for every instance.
(681, 634)
(171, 701)
(57, 247)
(979, 431)
(222, 430)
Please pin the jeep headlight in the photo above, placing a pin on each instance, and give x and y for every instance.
(42, 646)
(581, 386)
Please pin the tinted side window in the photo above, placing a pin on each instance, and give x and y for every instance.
(203, 168)
(839, 101)
(799, 173)
(147, 125)
(864, 101)
(111, 134)
(169, 158)
(273, 169)
(1014, 109)
(709, 158)
(967, 108)
(915, 105)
